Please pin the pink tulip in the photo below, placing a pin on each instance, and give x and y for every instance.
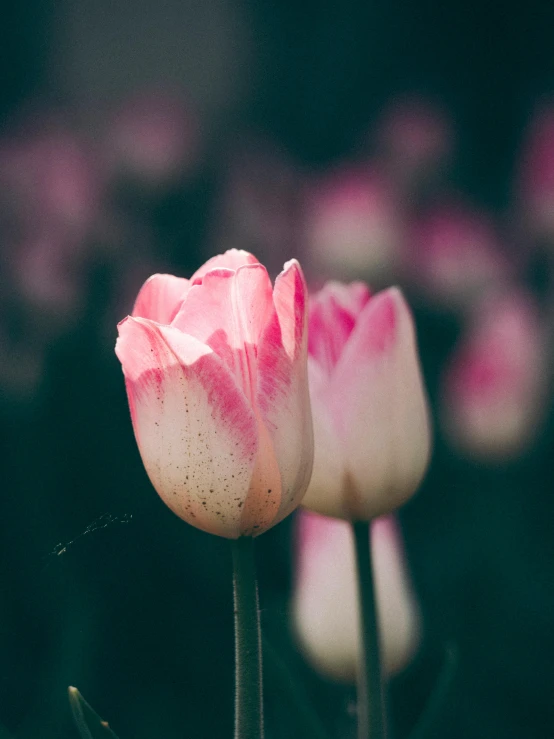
(415, 135)
(48, 179)
(494, 386)
(215, 370)
(371, 424)
(352, 227)
(536, 178)
(325, 600)
(153, 138)
(258, 207)
(455, 256)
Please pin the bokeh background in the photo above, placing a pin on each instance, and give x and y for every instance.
(408, 143)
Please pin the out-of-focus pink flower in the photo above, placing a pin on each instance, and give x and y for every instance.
(48, 179)
(352, 226)
(259, 208)
(215, 370)
(47, 276)
(454, 256)
(416, 140)
(371, 423)
(536, 183)
(153, 138)
(494, 387)
(325, 601)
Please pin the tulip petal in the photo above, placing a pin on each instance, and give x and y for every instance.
(378, 404)
(282, 394)
(333, 314)
(232, 259)
(196, 432)
(160, 298)
(328, 471)
(228, 311)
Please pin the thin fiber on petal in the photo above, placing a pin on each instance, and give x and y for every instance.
(196, 432)
(160, 298)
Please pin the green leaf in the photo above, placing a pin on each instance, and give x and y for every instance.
(88, 722)
(427, 725)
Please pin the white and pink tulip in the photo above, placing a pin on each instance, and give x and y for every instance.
(371, 422)
(216, 375)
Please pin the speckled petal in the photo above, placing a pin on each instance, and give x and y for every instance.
(197, 434)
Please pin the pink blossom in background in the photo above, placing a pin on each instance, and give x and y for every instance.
(153, 138)
(536, 176)
(352, 227)
(48, 179)
(371, 422)
(216, 376)
(325, 598)
(259, 206)
(495, 384)
(454, 256)
(46, 278)
(415, 139)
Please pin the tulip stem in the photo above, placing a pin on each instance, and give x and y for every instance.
(371, 698)
(249, 722)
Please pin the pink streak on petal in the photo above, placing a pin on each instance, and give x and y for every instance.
(228, 311)
(232, 259)
(382, 320)
(290, 296)
(160, 298)
(282, 396)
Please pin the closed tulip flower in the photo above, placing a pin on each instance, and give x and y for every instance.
(215, 370)
(495, 385)
(371, 423)
(325, 602)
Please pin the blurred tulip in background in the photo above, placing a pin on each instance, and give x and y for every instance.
(371, 422)
(325, 599)
(352, 226)
(536, 175)
(495, 385)
(454, 256)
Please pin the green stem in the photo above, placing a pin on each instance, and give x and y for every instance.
(249, 722)
(371, 698)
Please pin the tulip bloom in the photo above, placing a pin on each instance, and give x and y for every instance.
(536, 177)
(351, 225)
(494, 389)
(215, 370)
(325, 602)
(371, 424)
(455, 257)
